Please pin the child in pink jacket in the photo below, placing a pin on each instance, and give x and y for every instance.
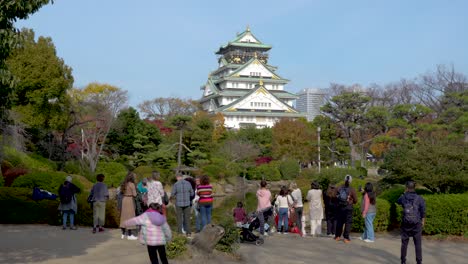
(154, 233)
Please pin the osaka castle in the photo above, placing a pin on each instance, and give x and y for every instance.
(245, 89)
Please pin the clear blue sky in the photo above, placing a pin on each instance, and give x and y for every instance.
(166, 48)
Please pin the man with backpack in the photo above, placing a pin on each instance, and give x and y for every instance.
(346, 197)
(414, 213)
(68, 204)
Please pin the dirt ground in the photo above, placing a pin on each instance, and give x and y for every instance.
(52, 245)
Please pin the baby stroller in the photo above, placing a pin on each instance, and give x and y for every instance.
(255, 222)
(247, 236)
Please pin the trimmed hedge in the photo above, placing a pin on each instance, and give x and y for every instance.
(19, 208)
(446, 214)
(49, 181)
(381, 221)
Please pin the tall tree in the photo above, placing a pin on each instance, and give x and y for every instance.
(348, 111)
(100, 104)
(166, 108)
(10, 12)
(293, 139)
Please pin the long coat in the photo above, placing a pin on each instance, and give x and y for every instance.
(128, 205)
(314, 197)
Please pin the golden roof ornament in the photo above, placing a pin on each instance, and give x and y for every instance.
(255, 54)
(260, 82)
(247, 29)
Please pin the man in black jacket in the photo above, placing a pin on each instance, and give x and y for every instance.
(414, 213)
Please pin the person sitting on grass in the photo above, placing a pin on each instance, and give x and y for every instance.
(239, 214)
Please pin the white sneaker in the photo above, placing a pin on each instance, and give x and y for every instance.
(368, 241)
(132, 237)
(122, 237)
(360, 238)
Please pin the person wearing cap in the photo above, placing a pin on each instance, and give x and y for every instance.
(68, 203)
(345, 209)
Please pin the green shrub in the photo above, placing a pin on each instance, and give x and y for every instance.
(382, 218)
(289, 169)
(268, 171)
(176, 247)
(446, 214)
(362, 171)
(49, 181)
(229, 242)
(31, 162)
(73, 167)
(143, 172)
(115, 173)
(19, 208)
(2, 181)
(330, 175)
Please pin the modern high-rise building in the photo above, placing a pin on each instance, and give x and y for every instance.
(309, 102)
(245, 89)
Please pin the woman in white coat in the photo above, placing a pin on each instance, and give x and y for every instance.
(314, 196)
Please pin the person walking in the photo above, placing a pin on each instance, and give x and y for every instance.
(182, 192)
(329, 199)
(346, 197)
(68, 203)
(314, 196)
(205, 202)
(283, 203)
(155, 232)
(368, 211)
(414, 214)
(128, 191)
(263, 205)
(298, 205)
(100, 195)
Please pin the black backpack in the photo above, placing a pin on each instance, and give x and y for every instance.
(411, 212)
(65, 194)
(343, 196)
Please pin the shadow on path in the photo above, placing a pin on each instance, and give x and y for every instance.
(35, 243)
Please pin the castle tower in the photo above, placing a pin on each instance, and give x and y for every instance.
(245, 88)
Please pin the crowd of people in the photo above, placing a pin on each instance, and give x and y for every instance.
(143, 210)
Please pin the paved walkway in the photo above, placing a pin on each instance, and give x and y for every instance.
(51, 245)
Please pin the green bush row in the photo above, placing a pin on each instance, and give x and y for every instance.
(381, 221)
(19, 208)
(49, 181)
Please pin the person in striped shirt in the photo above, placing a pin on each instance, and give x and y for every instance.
(205, 192)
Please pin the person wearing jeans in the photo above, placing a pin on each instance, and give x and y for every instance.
(68, 202)
(205, 192)
(283, 202)
(368, 211)
(263, 204)
(298, 205)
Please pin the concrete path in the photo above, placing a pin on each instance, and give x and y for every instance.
(52, 245)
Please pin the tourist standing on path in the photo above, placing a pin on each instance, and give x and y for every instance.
(346, 197)
(196, 207)
(205, 202)
(298, 205)
(263, 204)
(182, 191)
(155, 189)
(283, 203)
(314, 196)
(329, 199)
(414, 214)
(155, 232)
(128, 191)
(68, 203)
(368, 211)
(100, 195)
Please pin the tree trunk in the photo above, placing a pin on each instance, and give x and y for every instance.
(179, 153)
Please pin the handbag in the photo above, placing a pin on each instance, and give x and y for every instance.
(90, 199)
